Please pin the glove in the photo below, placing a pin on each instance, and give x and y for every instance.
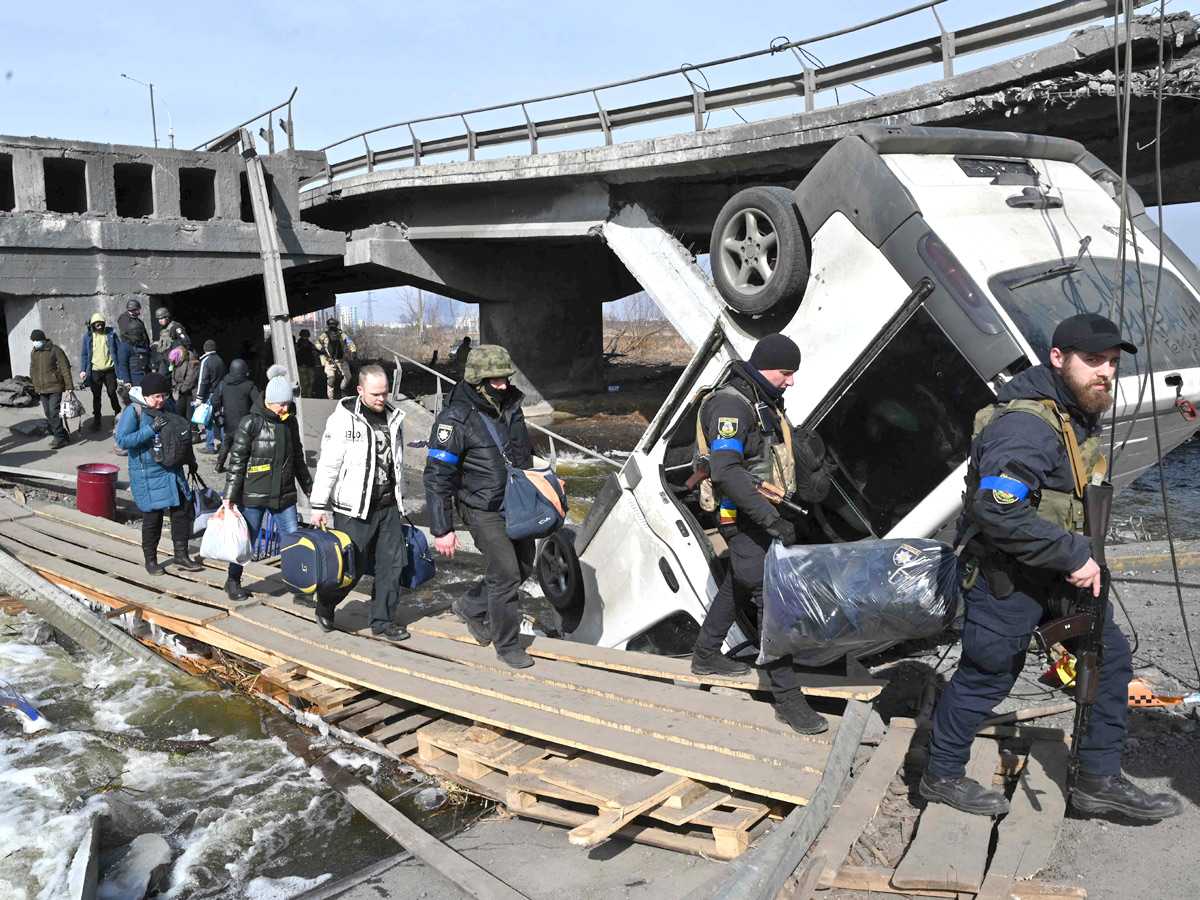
(157, 423)
(783, 531)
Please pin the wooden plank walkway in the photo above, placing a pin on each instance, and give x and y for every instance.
(589, 737)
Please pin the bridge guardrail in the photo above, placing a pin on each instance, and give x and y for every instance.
(944, 47)
(228, 140)
(551, 435)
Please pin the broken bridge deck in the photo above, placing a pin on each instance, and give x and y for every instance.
(588, 737)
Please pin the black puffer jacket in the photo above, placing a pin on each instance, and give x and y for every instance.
(464, 462)
(266, 461)
(234, 396)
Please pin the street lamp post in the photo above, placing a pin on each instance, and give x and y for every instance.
(153, 117)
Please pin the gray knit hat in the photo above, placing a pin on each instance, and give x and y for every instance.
(278, 391)
(277, 371)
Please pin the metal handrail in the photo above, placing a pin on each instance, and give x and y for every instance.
(270, 131)
(944, 46)
(546, 431)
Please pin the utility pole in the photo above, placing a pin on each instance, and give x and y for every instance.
(369, 303)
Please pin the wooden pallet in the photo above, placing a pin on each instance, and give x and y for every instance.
(598, 797)
(949, 856)
(293, 680)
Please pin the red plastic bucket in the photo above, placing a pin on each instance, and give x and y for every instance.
(96, 489)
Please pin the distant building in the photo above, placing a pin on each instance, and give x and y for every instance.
(466, 323)
(348, 316)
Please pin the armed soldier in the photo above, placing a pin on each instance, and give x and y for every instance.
(748, 440)
(335, 348)
(1022, 526)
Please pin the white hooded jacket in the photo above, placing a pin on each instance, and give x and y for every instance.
(345, 476)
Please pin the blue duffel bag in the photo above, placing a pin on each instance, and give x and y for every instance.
(535, 504)
(418, 565)
(314, 560)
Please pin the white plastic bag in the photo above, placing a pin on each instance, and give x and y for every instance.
(227, 537)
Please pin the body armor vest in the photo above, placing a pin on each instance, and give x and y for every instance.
(773, 463)
(1063, 508)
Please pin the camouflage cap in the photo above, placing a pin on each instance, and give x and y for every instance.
(487, 361)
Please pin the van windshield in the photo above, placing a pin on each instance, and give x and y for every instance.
(1037, 307)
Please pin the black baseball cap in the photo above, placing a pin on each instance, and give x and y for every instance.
(1089, 332)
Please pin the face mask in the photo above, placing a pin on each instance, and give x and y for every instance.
(497, 394)
(39, 344)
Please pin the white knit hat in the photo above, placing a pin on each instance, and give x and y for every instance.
(278, 391)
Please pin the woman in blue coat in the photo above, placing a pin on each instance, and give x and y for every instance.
(158, 490)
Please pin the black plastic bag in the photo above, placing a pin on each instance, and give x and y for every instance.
(822, 601)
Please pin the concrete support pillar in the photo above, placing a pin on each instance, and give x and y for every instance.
(559, 347)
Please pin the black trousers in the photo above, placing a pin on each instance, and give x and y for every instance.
(104, 380)
(744, 582)
(51, 405)
(378, 539)
(152, 525)
(509, 563)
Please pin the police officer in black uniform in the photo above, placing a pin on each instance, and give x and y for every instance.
(744, 426)
(1024, 549)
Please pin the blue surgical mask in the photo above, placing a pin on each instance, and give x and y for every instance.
(39, 344)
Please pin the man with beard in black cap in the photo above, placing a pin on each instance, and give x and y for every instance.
(747, 438)
(1021, 534)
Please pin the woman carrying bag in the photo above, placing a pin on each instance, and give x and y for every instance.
(157, 489)
(265, 463)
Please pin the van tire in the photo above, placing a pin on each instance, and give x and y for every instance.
(768, 275)
(560, 577)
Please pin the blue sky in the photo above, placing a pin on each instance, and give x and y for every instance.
(360, 65)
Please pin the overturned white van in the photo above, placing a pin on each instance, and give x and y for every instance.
(918, 269)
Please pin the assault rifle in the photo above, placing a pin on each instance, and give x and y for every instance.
(772, 492)
(1085, 621)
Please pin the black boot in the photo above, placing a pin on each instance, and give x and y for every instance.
(153, 566)
(1115, 793)
(234, 589)
(516, 658)
(183, 561)
(964, 794)
(475, 625)
(714, 662)
(796, 712)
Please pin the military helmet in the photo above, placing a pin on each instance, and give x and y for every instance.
(133, 305)
(487, 361)
(332, 324)
(162, 313)
(238, 367)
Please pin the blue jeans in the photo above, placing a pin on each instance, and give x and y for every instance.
(285, 520)
(214, 431)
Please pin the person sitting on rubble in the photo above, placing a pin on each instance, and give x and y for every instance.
(232, 400)
(265, 465)
(98, 367)
(50, 373)
(158, 490)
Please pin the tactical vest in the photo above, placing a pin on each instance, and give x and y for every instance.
(773, 463)
(1063, 508)
(335, 346)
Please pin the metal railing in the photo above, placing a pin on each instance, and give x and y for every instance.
(943, 47)
(437, 408)
(228, 140)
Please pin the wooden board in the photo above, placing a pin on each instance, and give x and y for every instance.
(629, 803)
(132, 572)
(639, 691)
(950, 850)
(11, 509)
(107, 588)
(777, 782)
(1027, 835)
(674, 727)
(878, 880)
(666, 667)
(861, 802)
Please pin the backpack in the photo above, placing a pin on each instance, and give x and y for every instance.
(173, 442)
(534, 502)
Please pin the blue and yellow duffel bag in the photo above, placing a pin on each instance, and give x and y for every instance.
(313, 560)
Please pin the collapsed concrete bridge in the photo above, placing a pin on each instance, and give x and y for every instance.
(88, 226)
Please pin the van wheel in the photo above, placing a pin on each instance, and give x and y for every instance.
(559, 575)
(758, 250)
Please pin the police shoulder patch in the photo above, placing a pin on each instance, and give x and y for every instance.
(1003, 497)
(443, 433)
(726, 427)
